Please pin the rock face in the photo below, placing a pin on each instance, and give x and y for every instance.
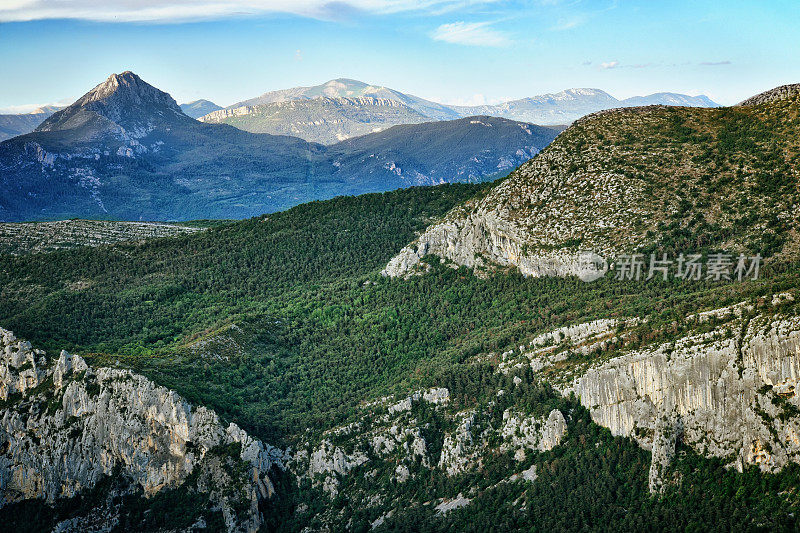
(482, 241)
(65, 425)
(728, 393)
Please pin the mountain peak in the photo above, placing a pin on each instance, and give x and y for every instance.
(125, 99)
(129, 87)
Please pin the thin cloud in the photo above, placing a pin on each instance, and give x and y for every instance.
(714, 63)
(616, 64)
(471, 34)
(193, 10)
(569, 23)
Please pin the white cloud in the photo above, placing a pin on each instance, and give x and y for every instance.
(189, 10)
(609, 64)
(470, 33)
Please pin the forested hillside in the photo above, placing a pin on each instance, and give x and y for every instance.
(290, 341)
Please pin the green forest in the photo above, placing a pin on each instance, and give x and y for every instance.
(314, 331)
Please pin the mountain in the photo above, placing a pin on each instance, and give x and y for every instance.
(198, 108)
(126, 150)
(608, 185)
(464, 150)
(13, 125)
(346, 88)
(567, 106)
(672, 99)
(324, 119)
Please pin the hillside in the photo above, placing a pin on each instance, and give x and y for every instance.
(441, 401)
(324, 119)
(651, 179)
(464, 150)
(125, 150)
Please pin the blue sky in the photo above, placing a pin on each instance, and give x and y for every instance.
(446, 50)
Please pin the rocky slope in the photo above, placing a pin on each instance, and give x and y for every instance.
(66, 426)
(323, 119)
(725, 386)
(607, 185)
(37, 237)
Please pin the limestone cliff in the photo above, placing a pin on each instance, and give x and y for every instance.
(64, 426)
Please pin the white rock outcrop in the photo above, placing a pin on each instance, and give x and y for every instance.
(65, 425)
(729, 393)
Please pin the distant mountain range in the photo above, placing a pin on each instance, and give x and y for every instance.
(323, 119)
(198, 108)
(344, 108)
(19, 124)
(345, 88)
(126, 150)
(570, 105)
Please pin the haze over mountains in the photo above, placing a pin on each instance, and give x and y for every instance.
(12, 125)
(126, 150)
(344, 108)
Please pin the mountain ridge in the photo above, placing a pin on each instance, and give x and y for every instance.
(125, 150)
